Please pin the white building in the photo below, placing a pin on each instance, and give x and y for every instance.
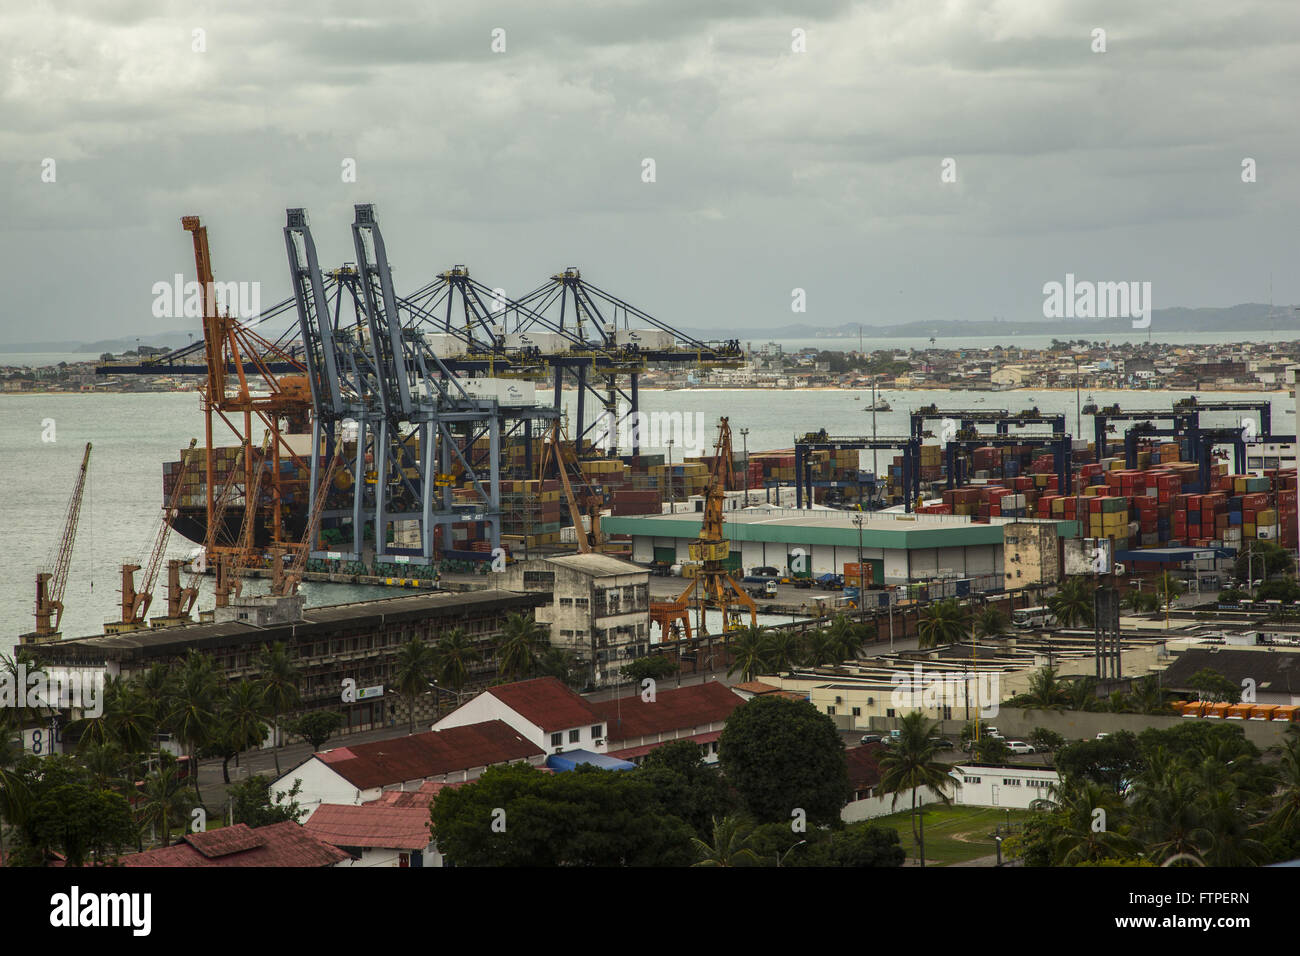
(543, 712)
(379, 834)
(1013, 787)
(362, 773)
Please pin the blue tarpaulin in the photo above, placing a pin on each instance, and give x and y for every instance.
(570, 759)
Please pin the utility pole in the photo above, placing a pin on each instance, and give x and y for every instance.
(875, 463)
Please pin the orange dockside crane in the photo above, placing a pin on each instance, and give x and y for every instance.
(51, 584)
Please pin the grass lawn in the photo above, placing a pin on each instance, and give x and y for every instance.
(953, 834)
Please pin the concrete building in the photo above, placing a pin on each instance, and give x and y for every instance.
(1010, 376)
(900, 548)
(357, 642)
(698, 713)
(1015, 787)
(1031, 554)
(598, 610)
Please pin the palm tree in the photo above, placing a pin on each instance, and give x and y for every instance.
(193, 714)
(455, 655)
(818, 649)
(15, 799)
(943, 622)
(241, 714)
(845, 639)
(1168, 590)
(1073, 603)
(1088, 815)
(1046, 691)
(522, 639)
(1169, 808)
(782, 650)
(730, 846)
(990, 623)
(413, 670)
(909, 764)
(1285, 818)
(748, 649)
(155, 688)
(163, 798)
(1082, 693)
(106, 763)
(1147, 697)
(279, 686)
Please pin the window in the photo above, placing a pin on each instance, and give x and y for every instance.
(539, 580)
(557, 739)
(1010, 782)
(595, 731)
(890, 712)
(575, 736)
(830, 709)
(566, 602)
(857, 711)
(580, 602)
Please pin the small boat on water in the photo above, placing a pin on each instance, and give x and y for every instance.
(1089, 407)
(879, 405)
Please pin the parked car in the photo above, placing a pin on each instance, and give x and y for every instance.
(870, 739)
(802, 584)
(1019, 747)
(942, 743)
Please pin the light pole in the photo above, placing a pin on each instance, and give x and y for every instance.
(875, 474)
(780, 856)
(862, 586)
(744, 438)
(672, 498)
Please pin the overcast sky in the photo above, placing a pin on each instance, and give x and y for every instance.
(775, 169)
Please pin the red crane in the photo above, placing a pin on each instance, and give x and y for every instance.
(50, 584)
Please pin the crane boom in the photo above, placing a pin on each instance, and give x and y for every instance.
(144, 596)
(293, 576)
(50, 585)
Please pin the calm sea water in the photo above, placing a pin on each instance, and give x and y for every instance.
(133, 434)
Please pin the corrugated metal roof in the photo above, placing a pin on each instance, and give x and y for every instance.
(546, 702)
(384, 763)
(829, 528)
(371, 825)
(600, 565)
(672, 710)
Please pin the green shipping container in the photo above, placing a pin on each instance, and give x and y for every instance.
(665, 555)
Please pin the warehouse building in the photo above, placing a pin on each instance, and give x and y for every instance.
(897, 548)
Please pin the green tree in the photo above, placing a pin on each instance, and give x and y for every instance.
(781, 650)
(1088, 822)
(519, 816)
(193, 715)
(412, 671)
(1046, 741)
(685, 787)
(748, 652)
(1112, 762)
(729, 846)
(992, 750)
(316, 726)
(942, 622)
(657, 667)
(240, 722)
(1073, 603)
(522, 640)
(818, 649)
(990, 623)
(909, 765)
(164, 800)
(782, 755)
(279, 683)
(455, 656)
(845, 639)
(1211, 685)
(251, 802)
(1045, 692)
(66, 813)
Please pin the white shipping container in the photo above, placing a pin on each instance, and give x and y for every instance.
(505, 391)
(444, 344)
(546, 341)
(644, 338)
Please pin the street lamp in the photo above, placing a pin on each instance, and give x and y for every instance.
(672, 498)
(744, 439)
(862, 587)
(780, 856)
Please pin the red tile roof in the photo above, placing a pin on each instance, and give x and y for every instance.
(433, 753)
(674, 710)
(371, 825)
(630, 752)
(757, 688)
(280, 844)
(864, 766)
(546, 702)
